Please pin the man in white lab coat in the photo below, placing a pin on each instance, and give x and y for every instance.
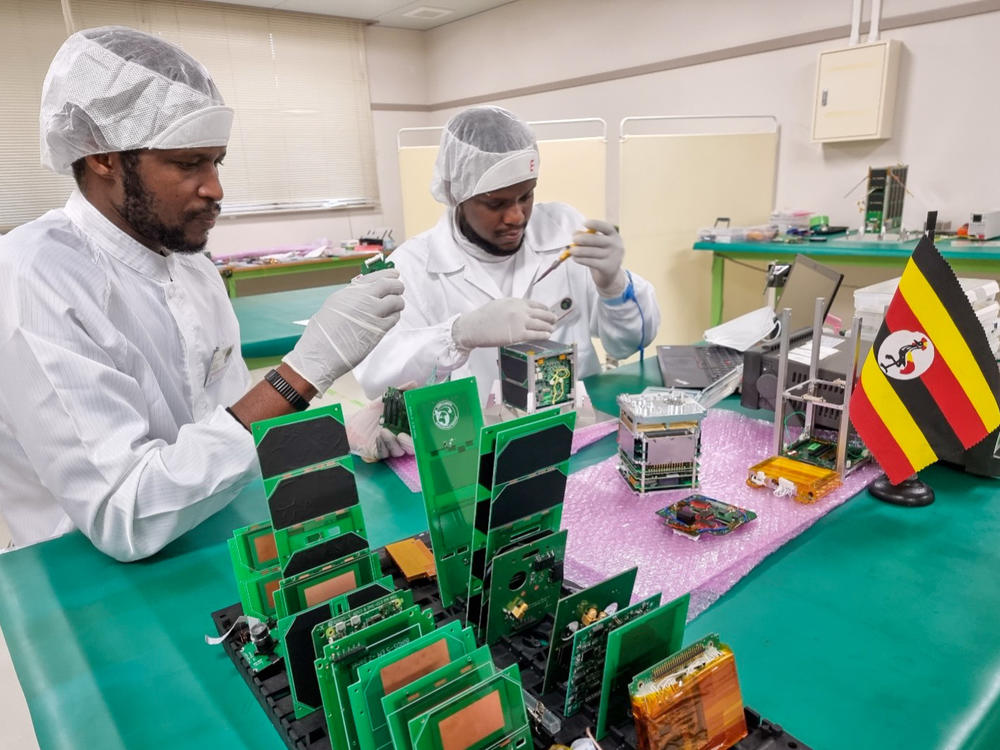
(470, 281)
(124, 402)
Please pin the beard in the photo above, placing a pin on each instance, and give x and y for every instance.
(482, 243)
(137, 209)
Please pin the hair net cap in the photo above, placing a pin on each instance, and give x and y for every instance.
(117, 89)
(483, 149)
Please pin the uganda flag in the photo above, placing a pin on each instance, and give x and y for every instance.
(930, 384)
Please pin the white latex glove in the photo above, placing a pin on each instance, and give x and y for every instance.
(602, 251)
(502, 322)
(373, 442)
(347, 327)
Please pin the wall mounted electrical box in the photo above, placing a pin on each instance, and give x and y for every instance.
(856, 92)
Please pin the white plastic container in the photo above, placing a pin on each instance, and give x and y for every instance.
(870, 304)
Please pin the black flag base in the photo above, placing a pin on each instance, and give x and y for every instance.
(911, 493)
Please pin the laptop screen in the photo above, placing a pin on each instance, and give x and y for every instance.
(806, 281)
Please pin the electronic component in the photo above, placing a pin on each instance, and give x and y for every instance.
(659, 439)
(423, 693)
(523, 586)
(578, 610)
(324, 582)
(536, 375)
(394, 417)
(691, 699)
(522, 479)
(396, 669)
(338, 666)
(698, 514)
(488, 715)
(376, 263)
(823, 452)
(632, 647)
(413, 558)
(884, 200)
(298, 645)
(786, 476)
(586, 662)
(445, 421)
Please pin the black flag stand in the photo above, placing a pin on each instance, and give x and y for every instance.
(912, 492)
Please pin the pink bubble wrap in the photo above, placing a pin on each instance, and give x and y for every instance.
(406, 467)
(612, 528)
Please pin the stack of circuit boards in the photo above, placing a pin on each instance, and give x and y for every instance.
(659, 439)
(357, 651)
(495, 652)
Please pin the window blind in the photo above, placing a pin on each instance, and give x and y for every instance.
(302, 135)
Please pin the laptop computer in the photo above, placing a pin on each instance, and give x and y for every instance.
(707, 366)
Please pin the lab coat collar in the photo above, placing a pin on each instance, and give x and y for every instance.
(113, 241)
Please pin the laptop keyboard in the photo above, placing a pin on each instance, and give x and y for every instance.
(717, 360)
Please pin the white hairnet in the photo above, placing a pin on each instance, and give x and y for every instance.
(483, 149)
(117, 89)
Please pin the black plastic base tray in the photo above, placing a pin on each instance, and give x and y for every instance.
(528, 650)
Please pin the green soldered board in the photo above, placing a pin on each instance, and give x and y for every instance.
(352, 619)
(294, 635)
(616, 591)
(325, 581)
(396, 669)
(633, 647)
(338, 667)
(524, 584)
(445, 421)
(586, 663)
(522, 480)
(432, 689)
(487, 715)
(256, 588)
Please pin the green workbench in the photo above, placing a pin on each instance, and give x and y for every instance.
(249, 278)
(267, 321)
(845, 250)
(876, 628)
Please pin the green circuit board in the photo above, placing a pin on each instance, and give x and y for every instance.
(586, 663)
(523, 586)
(295, 641)
(578, 610)
(397, 669)
(326, 581)
(522, 480)
(338, 667)
(633, 647)
(445, 421)
(428, 691)
(490, 714)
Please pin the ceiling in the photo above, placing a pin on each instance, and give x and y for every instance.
(400, 14)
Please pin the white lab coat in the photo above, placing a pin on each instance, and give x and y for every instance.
(112, 418)
(443, 281)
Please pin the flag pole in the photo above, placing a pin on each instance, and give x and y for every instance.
(912, 492)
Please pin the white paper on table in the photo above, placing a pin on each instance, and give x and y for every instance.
(827, 346)
(301, 322)
(743, 332)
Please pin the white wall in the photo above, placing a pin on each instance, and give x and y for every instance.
(946, 112)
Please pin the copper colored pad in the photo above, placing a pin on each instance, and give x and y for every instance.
(264, 548)
(331, 587)
(417, 664)
(413, 559)
(469, 725)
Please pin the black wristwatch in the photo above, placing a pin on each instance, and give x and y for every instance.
(285, 388)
